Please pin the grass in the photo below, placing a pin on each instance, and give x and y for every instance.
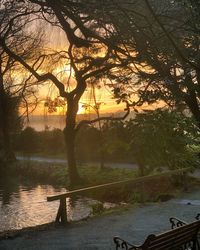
(94, 175)
(56, 174)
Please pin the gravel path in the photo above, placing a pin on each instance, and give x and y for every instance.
(97, 233)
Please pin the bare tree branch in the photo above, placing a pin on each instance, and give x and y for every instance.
(105, 118)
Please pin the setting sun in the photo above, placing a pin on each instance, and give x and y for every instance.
(81, 109)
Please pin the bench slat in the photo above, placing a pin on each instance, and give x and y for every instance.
(184, 237)
(176, 242)
(189, 234)
(183, 228)
(174, 238)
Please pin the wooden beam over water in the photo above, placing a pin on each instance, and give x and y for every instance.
(112, 184)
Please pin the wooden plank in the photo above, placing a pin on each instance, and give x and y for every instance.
(112, 184)
(173, 238)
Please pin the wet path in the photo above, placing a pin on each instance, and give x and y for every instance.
(97, 233)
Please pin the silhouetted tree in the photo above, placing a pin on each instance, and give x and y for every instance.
(94, 52)
(14, 90)
(165, 38)
(88, 145)
(116, 141)
(10, 124)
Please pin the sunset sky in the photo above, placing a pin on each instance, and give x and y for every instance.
(55, 39)
(103, 96)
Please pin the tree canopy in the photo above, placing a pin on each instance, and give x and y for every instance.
(92, 52)
(148, 49)
(165, 38)
(16, 86)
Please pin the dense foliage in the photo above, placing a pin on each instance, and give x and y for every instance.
(163, 139)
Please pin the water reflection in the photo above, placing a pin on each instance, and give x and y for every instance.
(79, 208)
(26, 205)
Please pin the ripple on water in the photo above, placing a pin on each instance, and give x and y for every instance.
(24, 206)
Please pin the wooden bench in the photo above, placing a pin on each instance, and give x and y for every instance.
(181, 238)
(176, 222)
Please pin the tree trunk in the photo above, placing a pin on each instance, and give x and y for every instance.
(194, 108)
(102, 155)
(70, 147)
(70, 135)
(191, 99)
(8, 154)
(141, 169)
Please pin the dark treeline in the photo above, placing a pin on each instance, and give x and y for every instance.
(154, 139)
(51, 143)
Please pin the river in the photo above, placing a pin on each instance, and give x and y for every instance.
(24, 205)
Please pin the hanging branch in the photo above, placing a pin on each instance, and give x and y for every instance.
(105, 118)
(179, 52)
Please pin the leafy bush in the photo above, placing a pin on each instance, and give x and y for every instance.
(163, 138)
